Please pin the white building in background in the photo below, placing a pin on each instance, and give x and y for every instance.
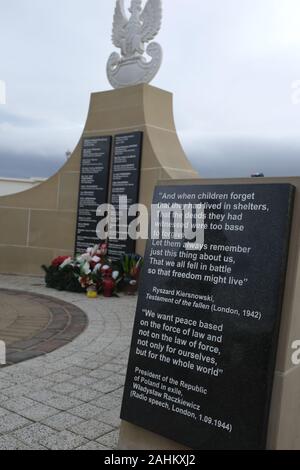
(17, 185)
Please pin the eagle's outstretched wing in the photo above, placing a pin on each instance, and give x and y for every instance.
(151, 19)
(120, 20)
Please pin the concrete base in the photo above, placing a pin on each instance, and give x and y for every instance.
(135, 438)
(284, 423)
(39, 224)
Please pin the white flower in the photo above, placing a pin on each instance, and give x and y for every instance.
(97, 267)
(86, 268)
(115, 275)
(84, 258)
(96, 259)
(105, 267)
(66, 263)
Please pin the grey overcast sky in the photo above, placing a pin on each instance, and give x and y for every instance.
(233, 66)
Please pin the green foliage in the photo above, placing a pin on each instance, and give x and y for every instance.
(131, 263)
(89, 270)
(65, 279)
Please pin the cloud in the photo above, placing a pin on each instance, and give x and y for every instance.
(17, 120)
(26, 135)
(243, 157)
(14, 165)
(213, 158)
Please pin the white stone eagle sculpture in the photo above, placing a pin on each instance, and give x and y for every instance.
(130, 35)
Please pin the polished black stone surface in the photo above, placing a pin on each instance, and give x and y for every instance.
(93, 190)
(127, 156)
(205, 337)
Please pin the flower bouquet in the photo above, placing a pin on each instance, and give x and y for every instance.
(131, 267)
(94, 273)
(91, 272)
(62, 275)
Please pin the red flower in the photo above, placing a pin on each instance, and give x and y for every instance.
(103, 249)
(58, 261)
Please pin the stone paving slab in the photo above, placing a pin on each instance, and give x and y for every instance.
(32, 325)
(69, 398)
(17, 324)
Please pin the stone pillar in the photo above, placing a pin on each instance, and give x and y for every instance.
(39, 224)
(150, 110)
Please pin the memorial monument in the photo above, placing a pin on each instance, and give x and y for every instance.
(211, 365)
(206, 367)
(211, 362)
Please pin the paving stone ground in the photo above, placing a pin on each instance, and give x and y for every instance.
(69, 398)
(32, 325)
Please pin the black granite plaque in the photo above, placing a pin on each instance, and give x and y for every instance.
(125, 182)
(205, 336)
(93, 190)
